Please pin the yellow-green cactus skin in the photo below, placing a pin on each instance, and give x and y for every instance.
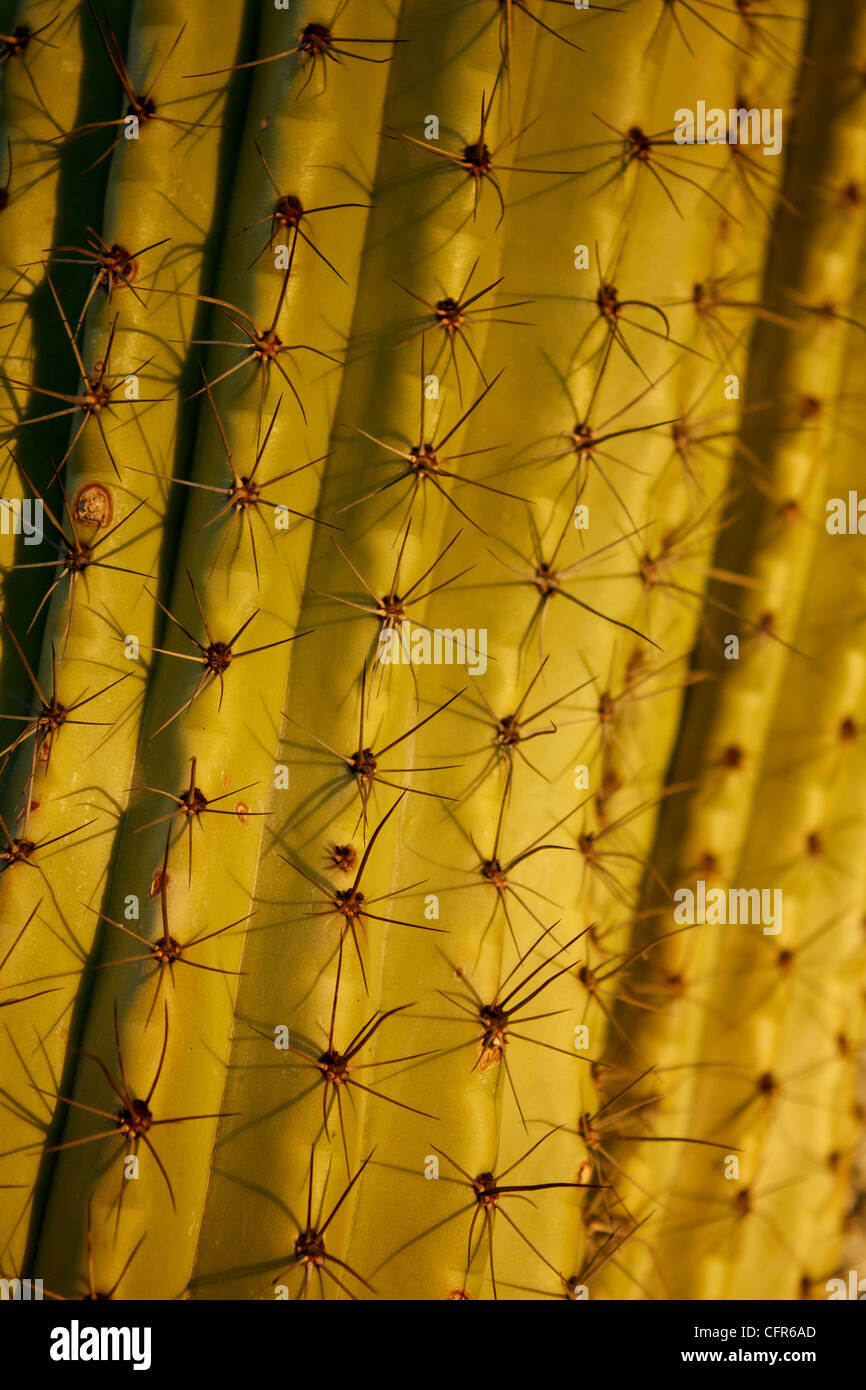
(432, 654)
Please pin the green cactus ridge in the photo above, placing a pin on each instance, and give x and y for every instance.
(437, 595)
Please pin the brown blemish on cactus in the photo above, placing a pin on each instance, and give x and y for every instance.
(288, 211)
(767, 626)
(546, 579)
(589, 980)
(608, 304)
(494, 1039)
(316, 40)
(93, 505)
(743, 1202)
(767, 1085)
(364, 766)
(588, 1133)
(158, 882)
(119, 267)
(637, 145)
(508, 733)
(606, 708)
(732, 757)
(611, 783)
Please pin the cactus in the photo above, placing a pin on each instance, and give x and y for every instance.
(434, 437)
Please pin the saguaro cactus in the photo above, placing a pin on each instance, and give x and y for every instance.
(440, 611)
